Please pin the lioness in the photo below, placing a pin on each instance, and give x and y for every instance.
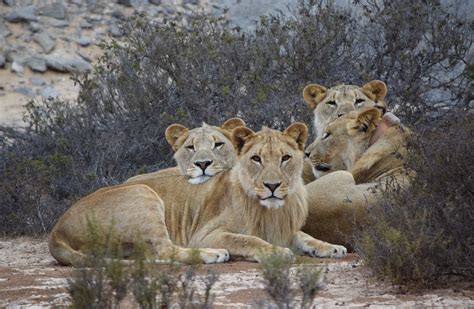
(368, 145)
(260, 203)
(200, 153)
(329, 104)
(360, 151)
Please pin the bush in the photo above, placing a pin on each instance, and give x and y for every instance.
(278, 282)
(202, 69)
(420, 235)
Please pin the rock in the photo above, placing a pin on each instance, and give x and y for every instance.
(155, 2)
(34, 27)
(37, 63)
(4, 31)
(37, 81)
(22, 14)
(84, 24)
(83, 41)
(17, 68)
(45, 41)
(2, 61)
(118, 14)
(26, 91)
(125, 2)
(55, 9)
(9, 2)
(67, 63)
(83, 55)
(58, 23)
(49, 92)
(115, 31)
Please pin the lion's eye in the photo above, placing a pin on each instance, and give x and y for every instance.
(218, 145)
(359, 101)
(285, 158)
(190, 147)
(332, 103)
(256, 159)
(326, 135)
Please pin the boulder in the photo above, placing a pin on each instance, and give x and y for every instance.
(67, 63)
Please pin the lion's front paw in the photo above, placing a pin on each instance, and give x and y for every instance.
(209, 256)
(331, 251)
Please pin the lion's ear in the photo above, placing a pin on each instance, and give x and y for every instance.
(376, 90)
(233, 123)
(313, 94)
(299, 132)
(240, 136)
(173, 133)
(367, 120)
(388, 120)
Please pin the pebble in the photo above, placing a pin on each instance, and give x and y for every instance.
(17, 68)
(37, 80)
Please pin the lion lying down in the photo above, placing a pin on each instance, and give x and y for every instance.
(356, 153)
(247, 211)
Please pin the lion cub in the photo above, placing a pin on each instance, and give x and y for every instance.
(256, 207)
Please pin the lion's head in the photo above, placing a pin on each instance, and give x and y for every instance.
(329, 104)
(347, 138)
(270, 162)
(203, 152)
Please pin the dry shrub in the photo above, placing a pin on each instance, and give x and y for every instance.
(421, 235)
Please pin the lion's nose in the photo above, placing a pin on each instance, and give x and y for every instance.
(272, 186)
(340, 114)
(307, 154)
(323, 167)
(202, 164)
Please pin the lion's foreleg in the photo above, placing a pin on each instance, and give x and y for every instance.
(315, 247)
(251, 248)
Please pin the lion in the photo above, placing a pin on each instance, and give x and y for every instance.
(329, 104)
(255, 208)
(358, 154)
(207, 151)
(364, 143)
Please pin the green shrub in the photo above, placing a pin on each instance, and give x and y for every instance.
(423, 234)
(206, 70)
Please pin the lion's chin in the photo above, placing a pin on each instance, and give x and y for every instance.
(198, 180)
(272, 203)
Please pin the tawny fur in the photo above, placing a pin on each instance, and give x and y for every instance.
(220, 216)
(339, 199)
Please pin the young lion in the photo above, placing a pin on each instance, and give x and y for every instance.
(247, 211)
(360, 151)
(329, 104)
(208, 151)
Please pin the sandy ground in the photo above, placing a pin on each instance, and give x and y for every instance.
(29, 277)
